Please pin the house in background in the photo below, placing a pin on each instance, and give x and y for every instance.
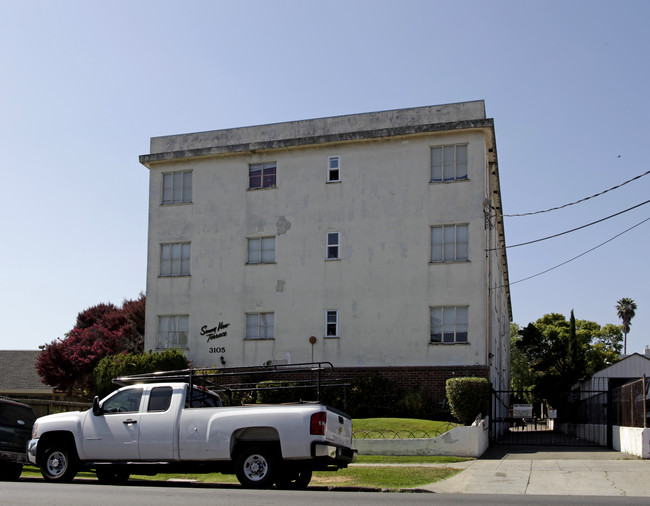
(373, 241)
(18, 376)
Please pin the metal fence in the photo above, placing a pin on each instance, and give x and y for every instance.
(44, 407)
(631, 404)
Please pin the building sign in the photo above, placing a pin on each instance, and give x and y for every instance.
(522, 410)
(215, 333)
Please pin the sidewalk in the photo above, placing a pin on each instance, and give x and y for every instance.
(550, 471)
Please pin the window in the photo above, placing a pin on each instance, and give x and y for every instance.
(173, 331)
(449, 163)
(261, 250)
(160, 399)
(333, 169)
(126, 401)
(261, 175)
(175, 259)
(449, 243)
(449, 324)
(259, 325)
(331, 323)
(333, 246)
(177, 187)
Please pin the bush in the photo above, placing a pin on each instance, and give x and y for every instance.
(126, 364)
(373, 396)
(468, 397)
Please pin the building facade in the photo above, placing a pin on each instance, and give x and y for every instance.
(373, 241)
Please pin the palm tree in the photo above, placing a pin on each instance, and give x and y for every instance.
(625, 308)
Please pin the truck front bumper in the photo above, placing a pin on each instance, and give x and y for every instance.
(31, 450)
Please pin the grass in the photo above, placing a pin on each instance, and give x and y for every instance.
(378, 428)
(385, 477)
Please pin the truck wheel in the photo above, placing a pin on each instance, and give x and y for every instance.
(10, 471)
(110, 477)
(58, 464)
(255, 468)
(293, 479)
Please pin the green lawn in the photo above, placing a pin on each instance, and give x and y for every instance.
(388, 477)
(388, 428)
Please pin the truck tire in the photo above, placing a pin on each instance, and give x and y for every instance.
(255, 467)
(10, 471)
(112, 477)
(293, 479)
(59, 464)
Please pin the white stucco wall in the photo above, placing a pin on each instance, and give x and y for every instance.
(458, 442)
(632, 440)
(384, 284)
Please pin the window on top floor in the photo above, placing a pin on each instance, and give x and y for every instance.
(261, 175)
(333, 169)
(449, 163)
(177, 187)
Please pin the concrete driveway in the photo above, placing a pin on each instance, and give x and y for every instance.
(550, 471)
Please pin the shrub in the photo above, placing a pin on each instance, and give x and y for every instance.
(126, 364)
(468, 397)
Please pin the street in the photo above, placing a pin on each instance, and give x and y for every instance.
(34, 491)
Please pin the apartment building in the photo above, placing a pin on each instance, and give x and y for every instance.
(373, 241)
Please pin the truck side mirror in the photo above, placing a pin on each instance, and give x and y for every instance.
(97, 410)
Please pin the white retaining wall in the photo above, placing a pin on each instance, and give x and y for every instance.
(458, 442)
(632, 440)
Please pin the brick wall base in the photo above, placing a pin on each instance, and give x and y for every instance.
(429, 380)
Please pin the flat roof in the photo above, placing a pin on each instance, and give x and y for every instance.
(349, 127)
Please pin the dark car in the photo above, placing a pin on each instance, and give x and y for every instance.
(16, 422)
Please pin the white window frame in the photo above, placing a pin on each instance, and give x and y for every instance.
(173, 331)
(176, 187)
(451, 163)
(449, 325)
(333, 251)
(450, 243)
(334, 169)
(175, 259)
(261, 250)
(265, 168)
(332, 323)
(260, 326)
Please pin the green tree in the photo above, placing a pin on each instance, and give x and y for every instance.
(626, 309)
(559, 352)
(521, 375)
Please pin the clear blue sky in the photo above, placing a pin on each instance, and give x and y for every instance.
(84, 85)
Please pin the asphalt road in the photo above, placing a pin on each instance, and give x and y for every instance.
(36, 492)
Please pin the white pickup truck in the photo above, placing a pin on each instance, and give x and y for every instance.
(148, 428)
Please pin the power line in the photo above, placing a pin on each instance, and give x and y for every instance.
(578, 256)
(579, 201)
(573, 229)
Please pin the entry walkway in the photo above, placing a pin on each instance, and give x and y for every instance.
(550, 471)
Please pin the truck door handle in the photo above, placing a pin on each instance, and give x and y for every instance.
(129, 421)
